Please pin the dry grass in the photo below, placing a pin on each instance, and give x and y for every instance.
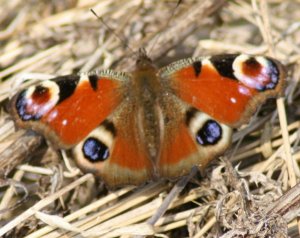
(50, 198)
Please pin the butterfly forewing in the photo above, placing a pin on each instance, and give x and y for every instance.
(227, 87)
(66, 109)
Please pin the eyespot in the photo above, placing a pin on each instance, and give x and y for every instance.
(94, 150)
(256, 72)
(209, 134)
(33, 103)
(206, 131)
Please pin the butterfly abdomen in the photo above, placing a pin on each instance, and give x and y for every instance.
(146, 93)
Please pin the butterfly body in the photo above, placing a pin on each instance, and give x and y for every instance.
(151, 123)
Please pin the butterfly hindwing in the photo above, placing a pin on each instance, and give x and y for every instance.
(66, 109)
(190, 138)
(229, 88)
(116, 150)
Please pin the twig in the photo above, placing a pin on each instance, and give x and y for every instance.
(43, 203)
(18, 152)
(179, 186)
(288, 205)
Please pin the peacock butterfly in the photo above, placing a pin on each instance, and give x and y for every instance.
(133, 127)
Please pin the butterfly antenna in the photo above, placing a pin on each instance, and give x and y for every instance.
(167, 24)
(122, 40)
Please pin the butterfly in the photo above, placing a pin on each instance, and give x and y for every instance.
(129, 128)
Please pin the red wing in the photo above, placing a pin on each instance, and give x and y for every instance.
(190, 138)
(66, 109)
(116, 150)
(179, 153)
(227, 87)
